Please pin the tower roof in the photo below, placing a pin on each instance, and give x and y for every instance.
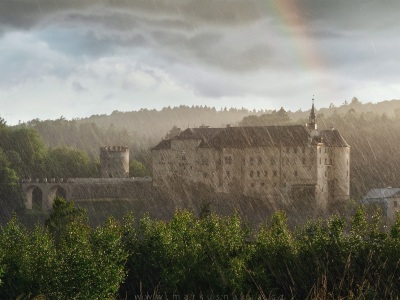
(312, 119)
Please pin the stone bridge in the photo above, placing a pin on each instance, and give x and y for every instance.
(40, 193)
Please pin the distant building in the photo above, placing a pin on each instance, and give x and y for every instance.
(386, 199)
(277, 163)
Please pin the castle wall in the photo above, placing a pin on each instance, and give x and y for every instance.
(76, 189)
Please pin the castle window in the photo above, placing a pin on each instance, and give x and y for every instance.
(258, 173)
(251, 161)
(326, 161)
(295, 173)
(228, 160)
(183, 153)
(262, 183)
(251, 173)
(320, 149)
(319, 161)
(330, 161)
(228, 174)
(326, 150)
(272, 161)
(265, 173)
(295, 149)
(275, 173)
(162, 157)
(395, 203)
(326, 174)
(259, 161)
(304, 161)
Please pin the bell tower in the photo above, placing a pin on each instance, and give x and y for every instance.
(312, 119)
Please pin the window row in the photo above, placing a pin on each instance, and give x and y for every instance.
(265, 173)
(263, 184)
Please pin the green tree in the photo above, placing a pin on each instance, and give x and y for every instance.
(67, 162)
(173, 132)
(137, 169)
(64, 213)
(11, 197)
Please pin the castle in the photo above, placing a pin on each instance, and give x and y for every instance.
(276, 163)
(254, 169)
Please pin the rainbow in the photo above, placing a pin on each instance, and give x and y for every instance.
(303, 48)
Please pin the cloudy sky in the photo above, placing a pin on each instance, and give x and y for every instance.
(76, 58)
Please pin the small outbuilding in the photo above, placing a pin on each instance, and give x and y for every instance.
(387, 199)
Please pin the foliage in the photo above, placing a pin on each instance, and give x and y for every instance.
(279, 117)
(137, 169)
(84, 264)
(64, 214)
(214, 255)
(10, 191)
(69, 162)
(188, 255)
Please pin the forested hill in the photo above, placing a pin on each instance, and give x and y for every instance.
(156, 123)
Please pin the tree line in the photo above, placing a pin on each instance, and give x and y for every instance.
(207, 256)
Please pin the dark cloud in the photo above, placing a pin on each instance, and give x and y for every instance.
(26, 13)
(213, 48)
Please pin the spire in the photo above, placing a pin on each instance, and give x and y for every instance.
(312, 119)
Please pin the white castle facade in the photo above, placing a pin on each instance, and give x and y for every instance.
(276, 163)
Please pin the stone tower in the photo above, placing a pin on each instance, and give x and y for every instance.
(114, 162)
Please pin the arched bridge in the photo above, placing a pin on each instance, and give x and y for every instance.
(40, 194)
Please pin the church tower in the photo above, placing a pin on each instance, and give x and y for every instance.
(312, 119)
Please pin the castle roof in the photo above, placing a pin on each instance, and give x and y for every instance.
(382, 193)
(201, 133)
(332, 138)
(164, 144)
(260, 136)
(256, 136)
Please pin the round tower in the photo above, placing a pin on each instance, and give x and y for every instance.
(114, 162)
(342, 173)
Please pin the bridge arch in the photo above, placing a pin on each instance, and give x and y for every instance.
(56, 191)
(34, 197)
(40, 196)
